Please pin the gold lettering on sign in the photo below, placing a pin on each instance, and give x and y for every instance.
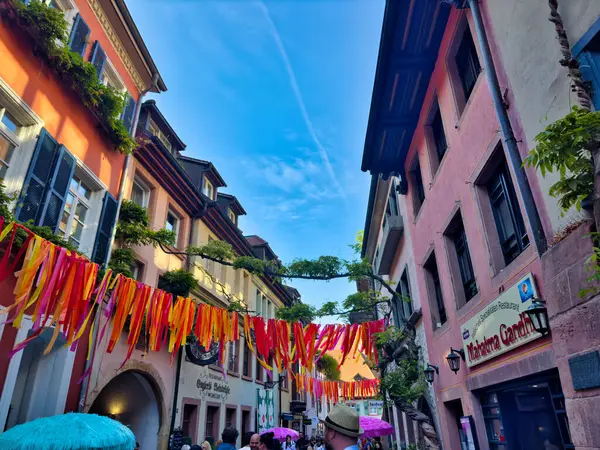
(117, 44)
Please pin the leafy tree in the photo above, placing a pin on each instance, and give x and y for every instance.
(328, 366)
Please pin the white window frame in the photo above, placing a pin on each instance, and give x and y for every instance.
(88, 236)
(30, 125)
(10, 136)
(208, 187)
(155, 130)
(68, 8)
(110, 77)
(172, 212)
(141, 184)
(232, 215)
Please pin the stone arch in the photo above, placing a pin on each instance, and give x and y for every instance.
(153, 379)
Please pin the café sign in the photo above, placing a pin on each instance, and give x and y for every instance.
(502, 325)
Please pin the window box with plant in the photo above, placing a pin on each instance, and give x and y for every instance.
(47, 30)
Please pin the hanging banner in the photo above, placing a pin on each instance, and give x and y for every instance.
(265, 409)
(502, 325)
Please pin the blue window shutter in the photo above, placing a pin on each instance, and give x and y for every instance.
(589, 63)
(79, 36)
(98, 58)
(57, 189)
(128, 112)
(105, 229)
(33, 194)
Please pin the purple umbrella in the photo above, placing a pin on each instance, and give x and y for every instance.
(375, 427)
(281, 433)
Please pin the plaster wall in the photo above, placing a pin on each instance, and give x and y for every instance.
(529, 53)
(473, 137)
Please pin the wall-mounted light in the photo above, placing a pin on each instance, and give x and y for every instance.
(430, 372)
(454, 358)
(538, 314)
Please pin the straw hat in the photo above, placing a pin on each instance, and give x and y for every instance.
(343, 419)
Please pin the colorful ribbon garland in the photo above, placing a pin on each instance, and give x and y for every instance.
(334, 390)
(58, 288)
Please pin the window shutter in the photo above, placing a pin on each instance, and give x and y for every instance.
(105, 228)
(57, 189)
(38, 176)
(127, 116)
(98, 58)
(589, 63)
(79, 36)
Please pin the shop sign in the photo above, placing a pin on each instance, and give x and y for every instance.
(213, 386)
(502, 325)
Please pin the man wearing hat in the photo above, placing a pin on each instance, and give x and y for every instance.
(342, 428)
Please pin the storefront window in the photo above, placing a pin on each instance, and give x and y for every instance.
(527, 415)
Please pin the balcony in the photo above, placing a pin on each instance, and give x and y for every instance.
(393, 227)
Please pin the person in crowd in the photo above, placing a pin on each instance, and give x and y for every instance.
(302, 443)
(254, 441)
(310, 445)
(206, 445)
(277, 444)
(195, 447)
(377, 444)
(342, 428)
(229, 437)
(246, 440)
(185, 447)
(267, 442)
(219, 442)
(137, 445)
(320, 444)
(289, 444)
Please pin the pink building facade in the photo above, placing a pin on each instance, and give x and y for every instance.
(444, 126)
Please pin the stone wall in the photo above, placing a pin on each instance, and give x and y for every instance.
(575, 330)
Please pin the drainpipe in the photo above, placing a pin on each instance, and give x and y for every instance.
(523, 188)
(85, 384)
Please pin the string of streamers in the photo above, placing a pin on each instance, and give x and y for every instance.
(334, 390)
(59, 289)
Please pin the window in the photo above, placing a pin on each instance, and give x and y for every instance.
(79, 36)
(140, 193)
(507, 215)
(212, 423)
(172, 224)
(467, 63)
(137, 270)
(247, 366)
(190, 416)
(392, 206)
(434, 287)
(207, 188)
(438, 135)
(259, 371)
(159, 135)
(589, 62)
(232, 216)
(234, 348)
(75, 215)
(110, 77)
(404, 285)
(230, 417)
(68, 8)
(417, 185)
(467, 276)
(9, 139)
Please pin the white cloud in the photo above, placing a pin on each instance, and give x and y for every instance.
(300, 100)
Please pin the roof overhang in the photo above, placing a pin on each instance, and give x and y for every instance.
(163, 166)
(410, 40)
(127, 32)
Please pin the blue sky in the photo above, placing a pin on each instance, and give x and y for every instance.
(276, 94)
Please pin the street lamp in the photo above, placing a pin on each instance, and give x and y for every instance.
(538, 314)
(430, 372)
(454, 358)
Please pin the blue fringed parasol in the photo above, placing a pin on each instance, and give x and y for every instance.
(71, 431)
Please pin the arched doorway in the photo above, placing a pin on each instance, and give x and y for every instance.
(130, 398)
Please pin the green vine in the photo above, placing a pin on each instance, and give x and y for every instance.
(407, 383)
(51, 39)
(178, 282)
(563, 147)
